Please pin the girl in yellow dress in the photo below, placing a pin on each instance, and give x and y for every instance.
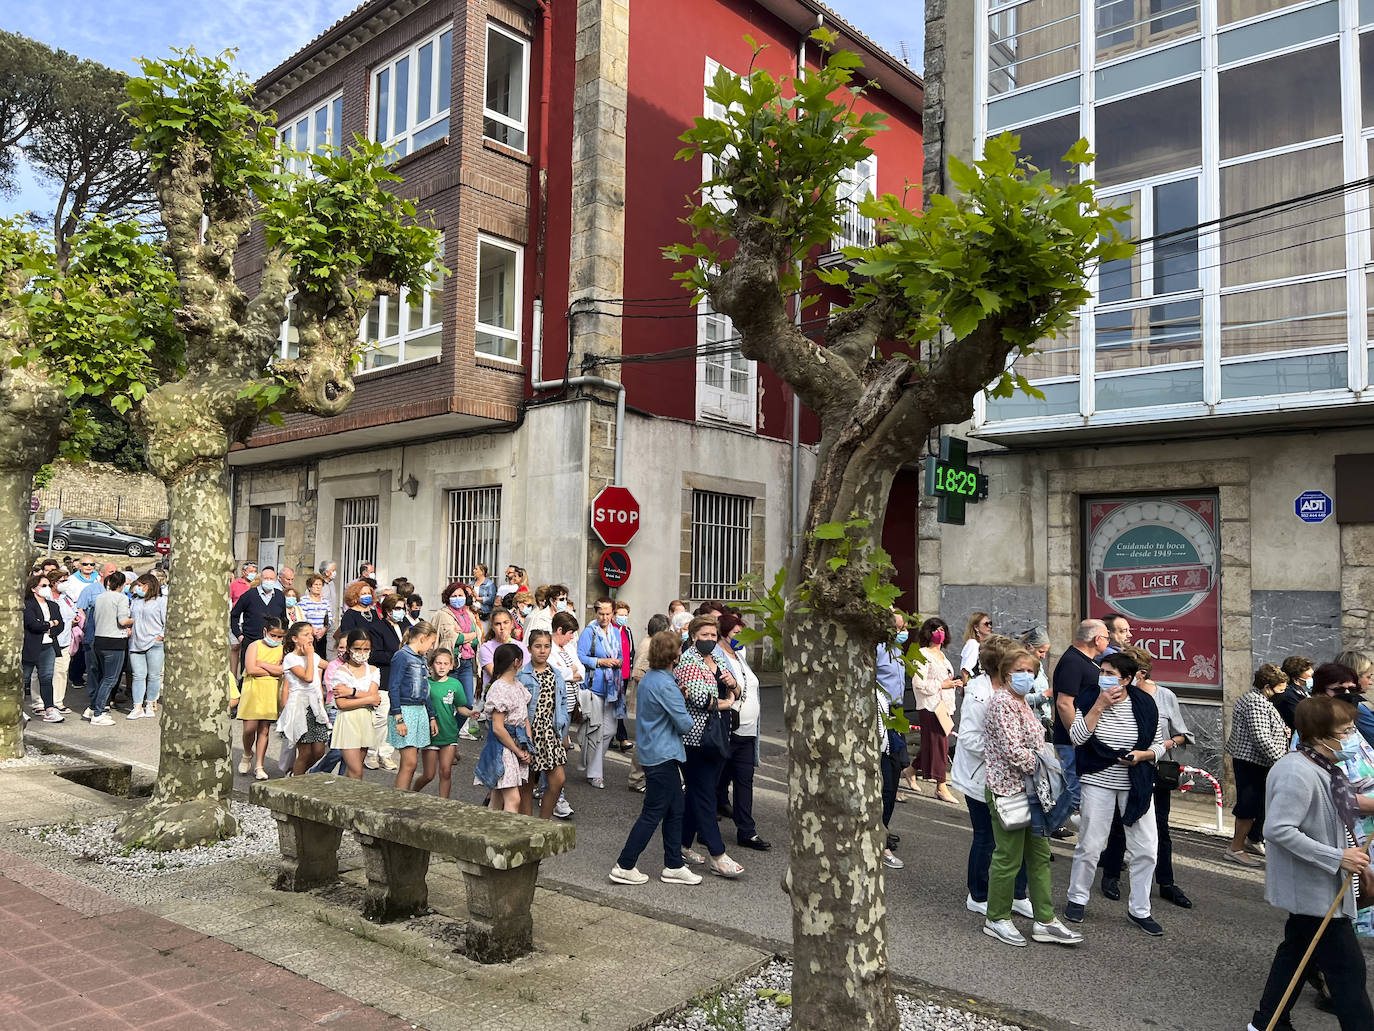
(258, 703)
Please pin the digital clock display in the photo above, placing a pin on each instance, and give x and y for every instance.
(954, 481)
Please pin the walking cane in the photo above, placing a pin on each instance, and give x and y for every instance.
(1311, 948)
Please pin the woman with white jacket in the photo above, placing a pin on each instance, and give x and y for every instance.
(744, 741)
(970, 775)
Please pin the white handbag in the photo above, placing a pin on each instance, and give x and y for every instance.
(1013, 811)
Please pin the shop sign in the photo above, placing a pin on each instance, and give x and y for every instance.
(1157, 561)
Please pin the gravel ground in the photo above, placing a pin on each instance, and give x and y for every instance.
(753, 1005)
(94, 842)
(35, 757)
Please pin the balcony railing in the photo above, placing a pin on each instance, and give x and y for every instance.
(856, 230)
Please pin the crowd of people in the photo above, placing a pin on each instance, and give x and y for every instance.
(356, 675)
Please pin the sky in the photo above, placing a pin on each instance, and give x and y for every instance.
(266, 32)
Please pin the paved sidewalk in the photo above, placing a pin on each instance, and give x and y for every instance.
(76, 958)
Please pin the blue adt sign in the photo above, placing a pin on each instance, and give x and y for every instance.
(1313, 506)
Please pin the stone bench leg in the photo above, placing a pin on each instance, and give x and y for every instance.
(309, 853)
(396, 885)
(500, 928)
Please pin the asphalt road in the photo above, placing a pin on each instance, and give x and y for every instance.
(1205, 974)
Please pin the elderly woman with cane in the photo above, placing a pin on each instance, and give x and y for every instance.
(1316, 856)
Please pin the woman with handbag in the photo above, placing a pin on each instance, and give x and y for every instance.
(934, 691)
(1176, 734)
(1012, 739)
(710, 692)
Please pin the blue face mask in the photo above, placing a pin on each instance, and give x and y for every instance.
(903, 636)
(250, 577)
(1306, 684)
(458, 601)
(1106, 681)
(365, 600)
(622, 620)
(1022, 682)
(734, 644)
(684, 635)
(561, 605)
(140, 592)
(1349, 750)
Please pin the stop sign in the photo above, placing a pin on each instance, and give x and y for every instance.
(615, 516)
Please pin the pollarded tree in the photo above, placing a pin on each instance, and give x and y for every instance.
(97, 325)
(961, 288)
(334, 238)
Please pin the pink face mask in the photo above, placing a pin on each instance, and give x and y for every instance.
(937, 638)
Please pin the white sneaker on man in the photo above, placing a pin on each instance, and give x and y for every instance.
(679, 875)
(630, 876)
(103, 720)
(86, 715)
(1055, 933)
(974, 906)
(370, 761)
(389, 764)
(1022, 907)
(1003, 931)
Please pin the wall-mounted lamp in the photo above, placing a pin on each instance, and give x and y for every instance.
(411, 486)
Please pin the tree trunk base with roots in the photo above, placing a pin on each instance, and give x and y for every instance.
(165, 826)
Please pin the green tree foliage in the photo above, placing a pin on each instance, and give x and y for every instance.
(27, 78)
(951, 294)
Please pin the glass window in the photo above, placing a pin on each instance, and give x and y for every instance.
(1031, 43)
(1060, 399)
(1300, 374)
(1145, 71)
(1366, 12)
(498, 299)
(1151, 334)
(505, 110)
(1057, 357)
(1238, 10)
(1367, 77)
(312, 132)
(1283, 318)
(1175, 237)
(410, 101)
(1150, 134)
(725, 378)
(1279, 102)
(405, 328)
(1045, 144)
(1149, 389)
(1290, 241)
(1119, 279)
(1127, 25)
(1036, 103)
(1278, 33)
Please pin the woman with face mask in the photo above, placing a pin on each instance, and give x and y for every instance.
(1298, 669)
(1259, 739)
(735, 790)
(149, 609)
(621, 618)
(934, 692)
(1312, 814)
(359, 614)
(1012, 739)
(259, 704)
(598, 648)
(459, 632)
(521, 608)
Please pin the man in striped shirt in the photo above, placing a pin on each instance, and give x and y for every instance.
(1119, 735)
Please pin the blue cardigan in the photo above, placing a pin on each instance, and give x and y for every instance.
(560, 705)
(409, 682)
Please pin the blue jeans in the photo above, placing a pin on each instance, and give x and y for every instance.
(462, 672)
(663, 804)
(333, 758)
(46, 659)
(702, 774)
(108, 666)
(147, 673)
(980, 852)
(1067, 755)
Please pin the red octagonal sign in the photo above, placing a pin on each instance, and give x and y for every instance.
(615, 516)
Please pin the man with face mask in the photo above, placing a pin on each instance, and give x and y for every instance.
(245, 619)
(1076, 671)
(893, 755)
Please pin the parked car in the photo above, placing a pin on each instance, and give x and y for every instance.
(93, 535)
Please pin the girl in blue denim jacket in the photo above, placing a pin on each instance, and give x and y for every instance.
(548, 724)
(411, 722)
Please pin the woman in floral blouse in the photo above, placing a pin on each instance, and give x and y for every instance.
(1012, 738)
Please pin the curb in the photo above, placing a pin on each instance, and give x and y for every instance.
(98, 772)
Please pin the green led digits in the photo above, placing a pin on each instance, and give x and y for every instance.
(953, 481)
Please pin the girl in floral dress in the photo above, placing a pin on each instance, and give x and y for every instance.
(506, 706)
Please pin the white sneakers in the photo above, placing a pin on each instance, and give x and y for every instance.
(1003, 931)
(389, 764)
(243, 765)
(630, 876)
(974, 906)
(369, 761)
(1021, 907)
(259, 774)
(562, 810)
(86, 715)
(679, 875)
(137, 713)
(103, 720)
(1055, 933)
(53, 716)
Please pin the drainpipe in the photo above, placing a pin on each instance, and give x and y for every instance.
(540, 173)
(796, 402)
(538, 383)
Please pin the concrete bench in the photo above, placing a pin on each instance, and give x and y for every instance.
(498, 852)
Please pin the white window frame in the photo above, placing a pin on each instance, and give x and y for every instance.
(523, 124)
(722, 404)
(332, 109)
(284, 351)
(501, 331)
(474, 529)
(722, 538)
(403, 142)
(855, 185)
(717, 196)
(432, 319)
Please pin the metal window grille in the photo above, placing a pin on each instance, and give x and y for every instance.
(721, 533)
(474, 529)
(358, 534)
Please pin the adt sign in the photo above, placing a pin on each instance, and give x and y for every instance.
(1313, 506)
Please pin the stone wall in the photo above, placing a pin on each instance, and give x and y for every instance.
(1357, 585)
(1013, 610)
(1287, 623)
(134, 502)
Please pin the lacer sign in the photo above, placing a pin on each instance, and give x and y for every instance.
(615, 516)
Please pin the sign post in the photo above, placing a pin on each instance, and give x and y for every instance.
(615, 516)
(1313, 506)
(53, 517)
(953, 481)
